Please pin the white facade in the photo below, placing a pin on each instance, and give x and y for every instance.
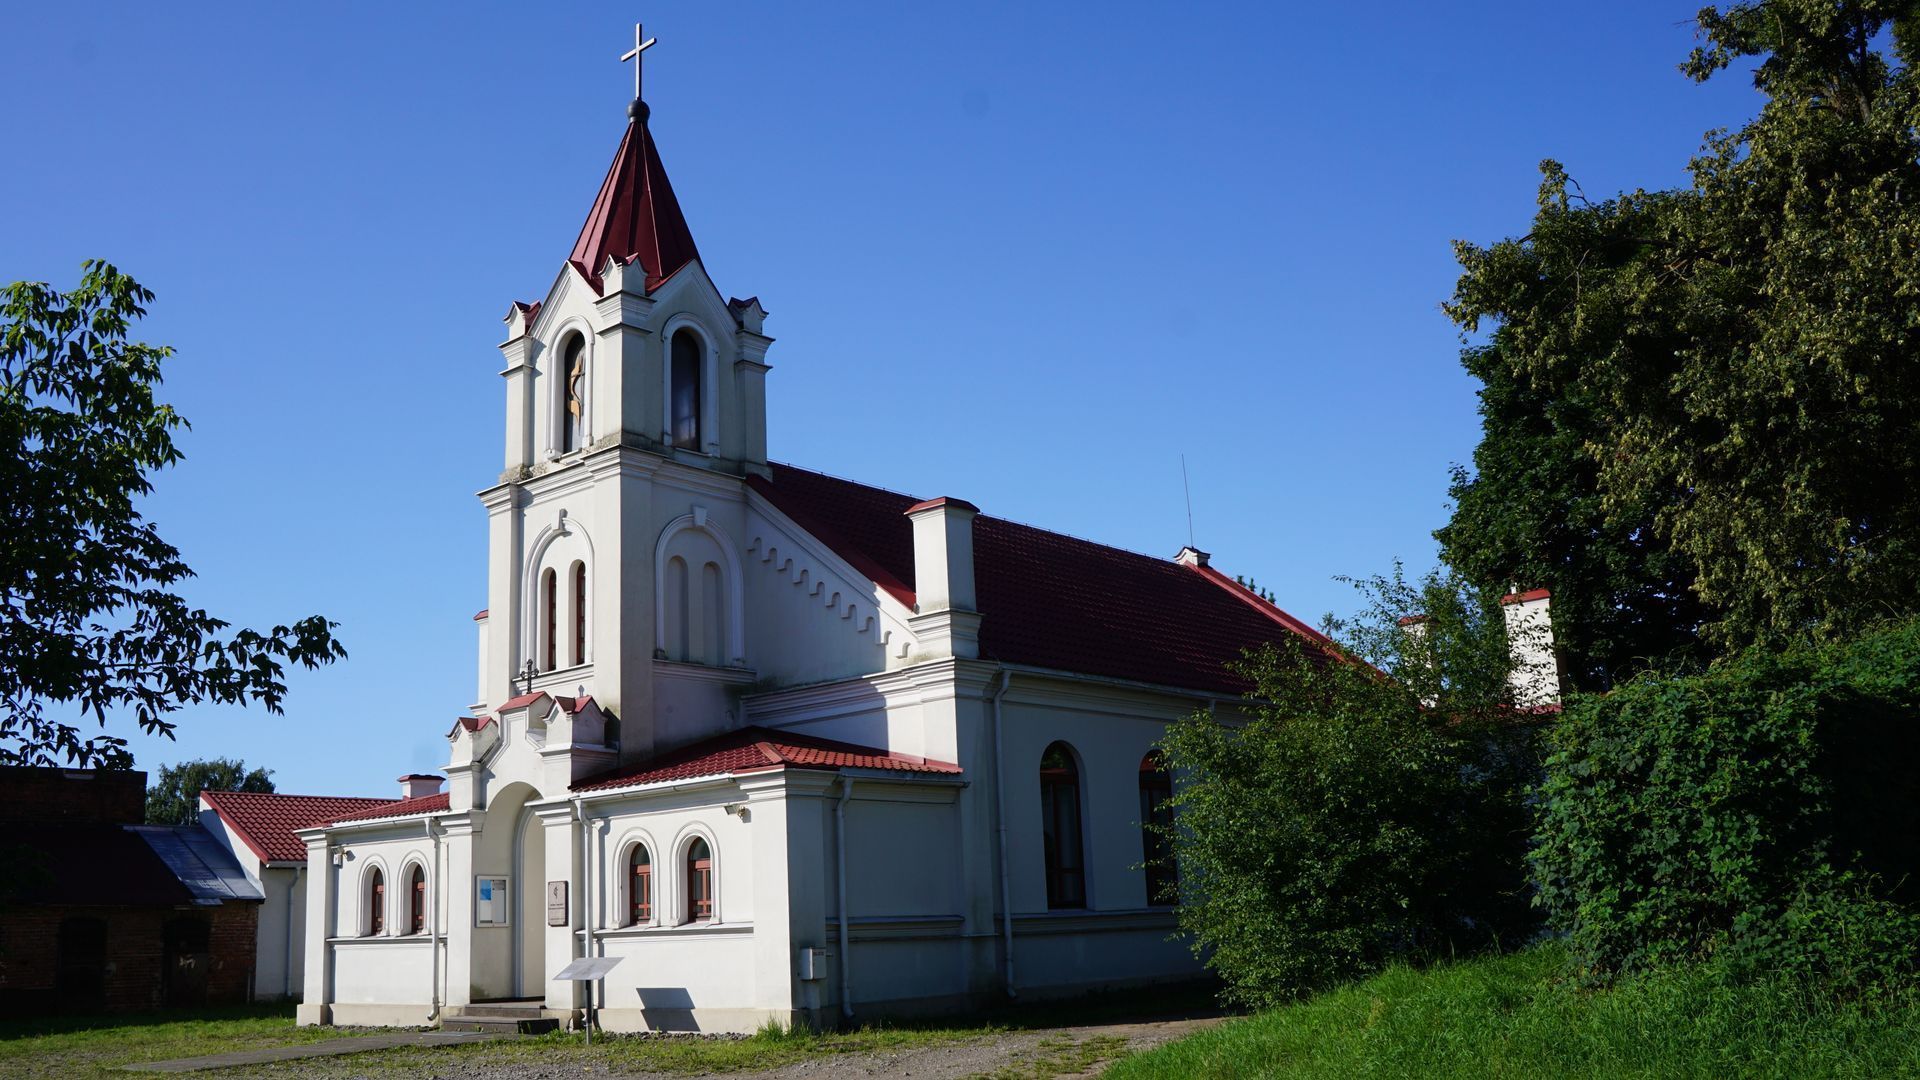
(644, 596)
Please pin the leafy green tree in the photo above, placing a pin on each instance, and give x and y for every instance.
(1762, 812)
(173, 797)
(88, 615)
(1358, 814)
(1722, 375)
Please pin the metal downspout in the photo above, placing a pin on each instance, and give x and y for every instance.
(1000, 826)
(586, 906)
(840, 851)
(433, 924)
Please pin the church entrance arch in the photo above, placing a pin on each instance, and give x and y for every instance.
(509, 936)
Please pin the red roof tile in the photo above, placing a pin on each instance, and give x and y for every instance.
(265, 821)
(635, 218)
(1049, 600)
(1521, 598)
(755, 749)
(423, 804)
(471, 723)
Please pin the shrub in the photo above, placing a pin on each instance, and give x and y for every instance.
(1357, 816)
(1766, 809)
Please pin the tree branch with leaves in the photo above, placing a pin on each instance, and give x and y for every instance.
(91, 626)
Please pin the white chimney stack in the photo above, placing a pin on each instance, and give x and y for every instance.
(946, 621)
(1536, 672)
(414, 785)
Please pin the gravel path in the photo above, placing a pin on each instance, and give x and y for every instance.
(1021, 1053)
(1025, 1054)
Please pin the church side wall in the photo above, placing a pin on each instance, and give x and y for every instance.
(383, 978)
(1116, 938)
(676, 974)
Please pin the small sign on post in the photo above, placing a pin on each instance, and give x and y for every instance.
(588, 969)
(557, 903)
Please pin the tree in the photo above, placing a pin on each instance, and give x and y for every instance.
(1719, 380)
(1359, 814)
(88, 615)
(173, 798)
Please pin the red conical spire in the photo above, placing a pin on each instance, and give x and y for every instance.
(635, 216)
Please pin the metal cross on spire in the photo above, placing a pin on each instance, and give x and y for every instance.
(633, 54)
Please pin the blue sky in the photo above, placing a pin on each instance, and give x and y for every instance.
(1023, 254)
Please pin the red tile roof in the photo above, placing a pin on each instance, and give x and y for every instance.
(1049, 600)
(1521, 598)
(423, 804)
(471, 723)
(635, 218)
(755, 749)
(265, 821)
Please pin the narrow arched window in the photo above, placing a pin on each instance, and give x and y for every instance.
(640, 886)
(417, 900)
(573, 406)
(550, 605)
(1060, 828)
(699, 881)
(579, 576)
(376, 902)
(677, 611)
(1156, 817)
(687, 355)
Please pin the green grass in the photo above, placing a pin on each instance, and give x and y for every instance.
(1514, 1016)
(96, 1046)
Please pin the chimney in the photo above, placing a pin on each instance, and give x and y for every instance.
(945, 620)
(1536, 672)
(1191, 556)
(415, 785)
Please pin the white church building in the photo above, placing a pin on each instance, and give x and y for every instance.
(790, 747)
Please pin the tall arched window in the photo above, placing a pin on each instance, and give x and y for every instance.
(1156, 816)
(579, 575)
(687, 356)
(640, 886)
(573, 407)
(417, 900)
(1060, 827)
(550, 604)
(376, 902)
(699, 881)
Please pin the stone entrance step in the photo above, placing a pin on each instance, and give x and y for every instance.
(519, 1017)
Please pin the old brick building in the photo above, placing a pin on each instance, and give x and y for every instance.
(100, 912)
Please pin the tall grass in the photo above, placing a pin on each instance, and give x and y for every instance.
(1513, 1016)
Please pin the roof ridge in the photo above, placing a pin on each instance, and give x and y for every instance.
(292, 795)
(1261, 604)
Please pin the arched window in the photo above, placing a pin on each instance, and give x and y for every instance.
(550, 603)
(1156, 816)
(1060, 826)
(640, 886)
(417, 900)
(688, 353)
(579, 576)
(699, 881)
(573, 407)
(376, 902)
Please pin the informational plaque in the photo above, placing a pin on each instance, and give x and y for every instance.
(490, 905)
(557, 903)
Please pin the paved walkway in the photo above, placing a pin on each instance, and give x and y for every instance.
(323, 1048)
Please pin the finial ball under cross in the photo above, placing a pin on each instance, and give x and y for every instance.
(640, 45)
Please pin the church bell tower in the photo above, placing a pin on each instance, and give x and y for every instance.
(635, 409)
